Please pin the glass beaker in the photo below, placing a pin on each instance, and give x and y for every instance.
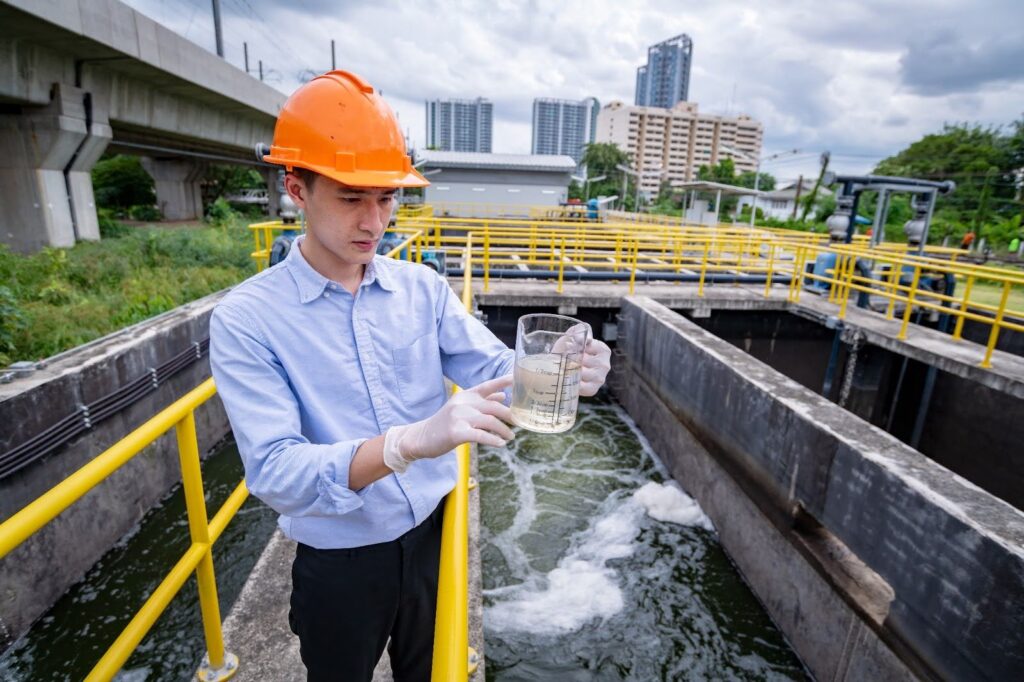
(546, 379)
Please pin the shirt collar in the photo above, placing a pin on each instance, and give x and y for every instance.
(311, 283)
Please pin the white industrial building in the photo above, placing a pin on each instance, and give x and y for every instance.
(780, 203)
(459, 181)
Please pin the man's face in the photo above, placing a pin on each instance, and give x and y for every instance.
(346, 221)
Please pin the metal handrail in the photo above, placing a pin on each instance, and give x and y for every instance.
(452, 654)
(204, 532)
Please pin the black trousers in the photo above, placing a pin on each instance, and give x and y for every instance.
(346, 603)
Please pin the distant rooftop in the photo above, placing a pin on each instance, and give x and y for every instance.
(542, 162)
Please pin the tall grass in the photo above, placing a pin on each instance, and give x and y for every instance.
(60, 298)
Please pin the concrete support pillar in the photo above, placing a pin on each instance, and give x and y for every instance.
(79, 173)
(273, 195)
(176, 180)
(45, 157)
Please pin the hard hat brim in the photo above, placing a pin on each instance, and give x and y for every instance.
(358, 178)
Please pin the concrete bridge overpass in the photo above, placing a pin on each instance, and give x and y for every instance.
(80, 77)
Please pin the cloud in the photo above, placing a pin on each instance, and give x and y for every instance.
(944, 63)
(864, 77)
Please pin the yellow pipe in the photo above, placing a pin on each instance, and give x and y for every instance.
(195, 507)
(561, 265)
(703, 268)
(771, 266)
(451, 626)
(467, 275)
(994, 334)
(632, 270)
(129, 639)
(910, 304)
(958, 330)
(227, 511)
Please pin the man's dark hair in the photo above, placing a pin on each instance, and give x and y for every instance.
(307, 176)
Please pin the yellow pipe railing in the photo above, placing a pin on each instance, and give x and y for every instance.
(220, 665)
(452, 654)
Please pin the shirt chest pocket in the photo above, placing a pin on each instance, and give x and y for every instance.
(418, 370)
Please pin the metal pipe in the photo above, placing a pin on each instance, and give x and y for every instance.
(833, 362)
(944, 186)
(216, 29)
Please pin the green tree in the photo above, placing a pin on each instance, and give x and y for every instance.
(221, 180)
(120, 182)
(724, 172)
(603, 158)
(981, 160)
(746, 179)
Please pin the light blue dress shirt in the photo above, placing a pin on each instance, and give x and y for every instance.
(308, 372)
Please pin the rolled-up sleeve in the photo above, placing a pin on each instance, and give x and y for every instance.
(470, 352)
(282, 468)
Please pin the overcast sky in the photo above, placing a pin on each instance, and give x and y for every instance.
(862, 79)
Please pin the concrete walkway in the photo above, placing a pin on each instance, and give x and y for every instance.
(256, 630)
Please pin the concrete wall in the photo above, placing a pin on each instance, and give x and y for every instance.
(33, 576)
(78, 75)
(876, 562)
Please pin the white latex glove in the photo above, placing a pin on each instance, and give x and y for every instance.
(476, 415)
(597, 362)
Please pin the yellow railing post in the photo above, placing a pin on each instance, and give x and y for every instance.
(894, 279)
(964, 303)
(487, 260)
(219, 665)
(851, 266)
(910, 304)
(703, 267)
(632, 271)
(561, 265)
(994, 334)
(771, 266)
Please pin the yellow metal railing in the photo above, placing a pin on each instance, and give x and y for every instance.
(453, 660)
(453, 657)
(219, 665)
(701, 254)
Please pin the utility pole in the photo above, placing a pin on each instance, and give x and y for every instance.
(261, 70)
(333, 63)
(216, 29)
(245, 51)
(796, 199)
(825, 156)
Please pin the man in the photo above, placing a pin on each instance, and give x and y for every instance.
(331, 366)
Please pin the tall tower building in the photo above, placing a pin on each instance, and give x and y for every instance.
(460, 125)
(674, 143)
(564, 126)
(665, 79)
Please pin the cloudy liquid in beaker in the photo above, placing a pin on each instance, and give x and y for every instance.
(545, 392)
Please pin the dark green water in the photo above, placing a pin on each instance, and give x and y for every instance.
(74, 634)
(581, 582)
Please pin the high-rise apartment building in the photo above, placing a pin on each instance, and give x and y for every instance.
(564, 126)
(665, 79)
(460, 125)
(678, 141)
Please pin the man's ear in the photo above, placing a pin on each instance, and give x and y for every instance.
(296, 189)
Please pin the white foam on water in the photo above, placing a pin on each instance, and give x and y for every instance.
(667, 502)
(581, 588)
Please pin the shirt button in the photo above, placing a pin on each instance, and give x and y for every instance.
(327, 294)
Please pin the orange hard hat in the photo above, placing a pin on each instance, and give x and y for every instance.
(338, 126)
